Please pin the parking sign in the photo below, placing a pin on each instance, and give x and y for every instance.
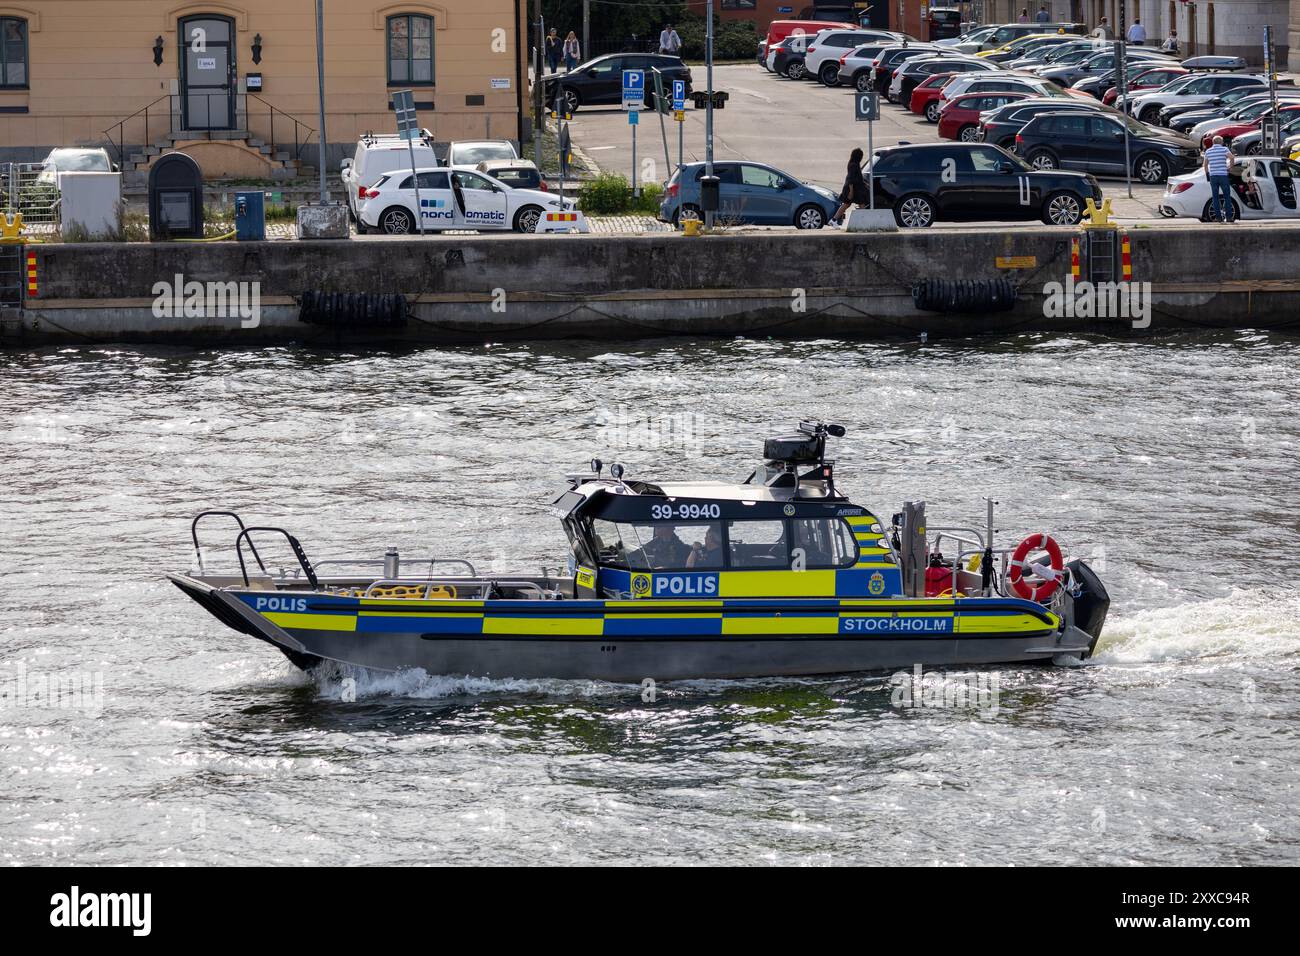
(679, 94)
(633, 89)
(866, 107)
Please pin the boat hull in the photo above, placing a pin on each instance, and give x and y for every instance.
(632, 641)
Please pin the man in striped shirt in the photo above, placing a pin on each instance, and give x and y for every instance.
(1218, 160)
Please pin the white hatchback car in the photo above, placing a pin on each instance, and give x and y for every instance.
(1261, 188)
(467, 155)
(452, 199)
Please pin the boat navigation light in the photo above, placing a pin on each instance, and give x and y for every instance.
(596, 465)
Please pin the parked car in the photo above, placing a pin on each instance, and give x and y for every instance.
(822, 58)
(787, 57)
(451, 199)
(959, 118)
(74, 159)
(1097, 85)
(974, 181)
(1251, 143)
(1001, 125)
(918, 68)
(1068, 46)
(1067, 74)
(466, 154)
(1261, 188)
(1025, 46)
(377, 155)
(1151, 78)
(1003, 82)
(599, 82)
(1193, 89)
(751, 194)
(517, 174)
(778, 30)
(855, 66)
(1094, 143)
(1007, 32)
(890, 58)
(1185, 119)
(1241, 120)
(925, 98)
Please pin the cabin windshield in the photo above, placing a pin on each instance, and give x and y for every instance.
(744, 544)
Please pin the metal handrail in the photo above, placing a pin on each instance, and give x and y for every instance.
(120, 146)
(194, 536)
(378, 562)
(293, 544)
(272, 112)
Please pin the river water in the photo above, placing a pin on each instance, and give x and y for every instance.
(1170, 465)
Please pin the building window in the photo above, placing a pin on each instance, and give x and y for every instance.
(13, 52)
(410, 50)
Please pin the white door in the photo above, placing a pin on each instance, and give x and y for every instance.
(480, 204)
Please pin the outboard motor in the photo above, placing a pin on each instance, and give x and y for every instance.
(1091, 602)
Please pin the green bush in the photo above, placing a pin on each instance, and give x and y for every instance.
(607, 194)
(652, 195)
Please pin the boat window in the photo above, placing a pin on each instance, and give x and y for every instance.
(670, 545)
(826, 542)
(608, 544)
(758, 544)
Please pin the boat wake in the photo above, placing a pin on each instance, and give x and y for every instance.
(358, 683)
(1246, 623)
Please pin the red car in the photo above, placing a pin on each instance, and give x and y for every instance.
(961, 117)
(1230, 131)
(925, 97)
(1150, 80)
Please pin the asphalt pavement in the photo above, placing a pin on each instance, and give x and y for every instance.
(799, 126)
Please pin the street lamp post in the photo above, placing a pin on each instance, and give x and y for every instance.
(320, 82)
(708, 106)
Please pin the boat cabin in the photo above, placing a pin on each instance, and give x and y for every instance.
(784, 532)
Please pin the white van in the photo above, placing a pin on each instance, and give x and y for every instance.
(380, 154)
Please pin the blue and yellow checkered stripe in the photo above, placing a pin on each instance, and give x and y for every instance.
(669, 618)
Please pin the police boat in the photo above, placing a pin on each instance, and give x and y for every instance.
(779, 574)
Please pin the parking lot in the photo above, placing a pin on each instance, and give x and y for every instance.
(798, 126)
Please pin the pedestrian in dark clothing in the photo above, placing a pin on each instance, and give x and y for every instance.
(553, 50)
(854, 192)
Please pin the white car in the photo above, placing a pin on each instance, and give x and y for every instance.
(1262, 188)
(452, 199)
(822, 59)
(379, 154)
(1190, 90)
(855, 65)
(468, 154)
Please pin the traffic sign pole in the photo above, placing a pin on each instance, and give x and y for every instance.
(679, 113)
(866, 108)
(408, 129)
(633, 100)
(708, 114)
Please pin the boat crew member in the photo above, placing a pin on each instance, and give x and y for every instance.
(708, 554)
(665, 549)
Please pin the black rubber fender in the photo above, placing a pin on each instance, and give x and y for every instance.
(353, 310)
(964, 295)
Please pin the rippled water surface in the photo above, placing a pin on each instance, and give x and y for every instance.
(1173, 465)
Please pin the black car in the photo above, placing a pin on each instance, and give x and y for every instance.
(892, 57)
(1005, 122)
(974, 181)
(599, 82)
(1093, 143)
(789, 57)
(917, 70)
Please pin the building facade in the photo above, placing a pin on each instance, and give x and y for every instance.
(235, 83)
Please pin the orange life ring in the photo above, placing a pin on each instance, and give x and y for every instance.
(1018, 568)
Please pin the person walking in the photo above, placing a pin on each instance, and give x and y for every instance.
(1218, 160)
(572, 52)
(1042, 16)
(1137, 33)
(669, 42)
(1024, 15)
(854, 192)
(1103, 31)
(1171, 42)
(553, 50)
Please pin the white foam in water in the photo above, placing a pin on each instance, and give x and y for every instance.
(417, 684)
(1248, 623)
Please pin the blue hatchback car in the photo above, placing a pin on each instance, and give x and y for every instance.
(751, 194)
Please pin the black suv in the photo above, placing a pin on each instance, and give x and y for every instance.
(1094, 143)
(975, 181)
(1005, 122)
(600, 81)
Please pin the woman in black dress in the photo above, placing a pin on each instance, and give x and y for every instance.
(855, 187)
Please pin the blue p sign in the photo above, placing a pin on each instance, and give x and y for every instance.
(679, 94)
